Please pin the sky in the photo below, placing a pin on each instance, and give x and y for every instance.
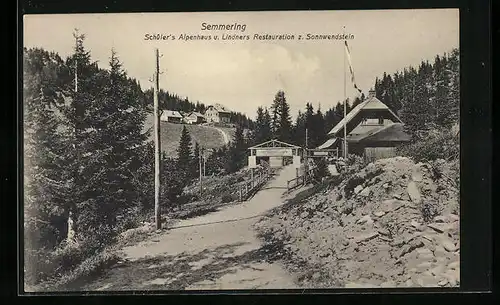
(243, 75)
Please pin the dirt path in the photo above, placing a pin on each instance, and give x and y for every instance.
(225, 136)
(215, 251)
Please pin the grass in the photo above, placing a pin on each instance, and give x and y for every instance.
(206, 136)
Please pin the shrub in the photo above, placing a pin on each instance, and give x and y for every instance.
(436, 143)
(429, 209)
(321, 170)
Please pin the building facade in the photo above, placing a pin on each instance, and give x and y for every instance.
(217, 114)
(373, 131)
(171, 116)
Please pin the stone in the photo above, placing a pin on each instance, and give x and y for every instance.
(354, 285)
(409, 283)
(423, 266)
(366, 237)
(388, 284)
(454, 265)
(365, 192)
(415, 224)
(425, 253)
(453, 217)
(439, 251)
(440, 219)
(443, 282)
(437, 270)
(417, 174)
(365, 219)
(379, 213)
(304, 214)
(448, 245)
(413, 192)
(426, 281)
(390, 205)
(383, 231)
(358, 189)
(452, 278)
(428, 237)
(414, 244)
(440, 228)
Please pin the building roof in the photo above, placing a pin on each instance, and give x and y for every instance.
(329, 143)
(370, 106)
(171, 113)
(274, 144)
(196, 114)
(219, 108)
(388, 133)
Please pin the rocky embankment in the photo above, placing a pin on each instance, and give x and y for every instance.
(393, 224)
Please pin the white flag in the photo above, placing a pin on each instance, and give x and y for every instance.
(350, 66)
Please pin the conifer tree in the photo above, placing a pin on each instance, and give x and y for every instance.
(262, 126)
(184, 151)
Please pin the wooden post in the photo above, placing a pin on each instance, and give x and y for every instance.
(157, 143)
(201, 171)
(251, 178)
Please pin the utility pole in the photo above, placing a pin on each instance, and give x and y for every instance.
(157, 142)
(204, 164)
(200, 161)
(306, 160)
(71, 226)
(345, 106)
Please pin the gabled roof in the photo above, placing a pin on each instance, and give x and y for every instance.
(388, 133)
(196, 114)
(219, 108)
(171, 113)
(371, 105)
(274, 144)
(329, 143)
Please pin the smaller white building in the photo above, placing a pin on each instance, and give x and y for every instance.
(171, 116)
(194, 118)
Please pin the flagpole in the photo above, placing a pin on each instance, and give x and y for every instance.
(345, 102)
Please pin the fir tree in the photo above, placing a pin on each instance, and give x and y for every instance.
(184, 151)
(262, 126)
(281, 120)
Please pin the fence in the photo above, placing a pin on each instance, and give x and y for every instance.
(375, 153)
(300, 180)
(250, 187)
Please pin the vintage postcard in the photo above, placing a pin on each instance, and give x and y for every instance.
(241, 150)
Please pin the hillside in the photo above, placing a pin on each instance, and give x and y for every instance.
(392, 224)
(207, 136)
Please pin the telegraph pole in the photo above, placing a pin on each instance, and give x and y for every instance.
(306, 160)
(157, 142)
(201, 170)
(345, 106)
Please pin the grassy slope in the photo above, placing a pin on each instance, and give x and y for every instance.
(208, 137)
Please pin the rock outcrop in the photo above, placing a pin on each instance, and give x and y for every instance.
(393, 224)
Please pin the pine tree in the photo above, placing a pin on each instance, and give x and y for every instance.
(184, 151)
(237, 151)
(195, 167)
(281, 120)
(262, 126)
(299, 130)
(318, 135)
(47, 178)
(111, 144)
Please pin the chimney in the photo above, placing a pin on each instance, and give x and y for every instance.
(371, 93)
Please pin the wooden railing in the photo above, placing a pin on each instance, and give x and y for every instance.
(248, 188)
(300, 180)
